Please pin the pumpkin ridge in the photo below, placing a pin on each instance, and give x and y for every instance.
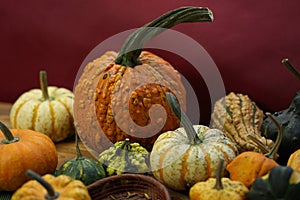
(207, 160)
(161, 159)
(183, 170)
(14, 121)
(34, 116)
(52, 117)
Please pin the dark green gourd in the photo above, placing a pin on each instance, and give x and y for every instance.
(82, 168)
(289, 119)
(282, 183)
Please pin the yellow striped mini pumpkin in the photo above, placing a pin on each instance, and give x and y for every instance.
(48, 110)
(189, 154)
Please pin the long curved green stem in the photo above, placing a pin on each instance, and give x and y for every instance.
(182, 117)
(78, 152)
(9, 138)
(51, 194)
(132, 47)
(287, 63)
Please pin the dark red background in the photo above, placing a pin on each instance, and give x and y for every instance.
(247, 41)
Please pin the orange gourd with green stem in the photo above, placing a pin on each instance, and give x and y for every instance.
(117, 90)
(21, 150)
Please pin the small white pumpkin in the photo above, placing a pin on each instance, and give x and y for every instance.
(189, 154)
(48, 110)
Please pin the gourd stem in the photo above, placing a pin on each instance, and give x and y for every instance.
(287, 63)
(9, 138)
(132, 47)
(260, 145)
(125, 146)
(78, 152)
(182, 117)
(51, 194)
(219, 185)
(273, 152)
(44, 85)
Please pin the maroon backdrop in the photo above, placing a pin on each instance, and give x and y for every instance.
(247, 41)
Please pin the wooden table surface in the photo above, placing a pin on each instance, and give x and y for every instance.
(66, 149)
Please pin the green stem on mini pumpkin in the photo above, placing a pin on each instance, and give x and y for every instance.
(44, 85)
(182, 117)
(9, 138)
(219, 185)
(287, 63)
(78, 152)
(51, 194)
(132, 47)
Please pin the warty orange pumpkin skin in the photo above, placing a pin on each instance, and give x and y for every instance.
(32, 150)
(119, 90)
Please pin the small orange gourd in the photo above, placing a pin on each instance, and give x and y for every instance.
(21, 150)
(249, 165)
(294, 160)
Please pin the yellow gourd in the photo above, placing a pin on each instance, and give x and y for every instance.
(49, 187)
(218, 188)
(48, 110)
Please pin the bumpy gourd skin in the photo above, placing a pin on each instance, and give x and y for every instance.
(238, 116)
(67, 188)
(132, 158)
(232, 190)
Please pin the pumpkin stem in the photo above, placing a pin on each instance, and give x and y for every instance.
(132, 47)
(78, 152)
(287, 63)
(9, 138)
(219, 185)
(44, 85)
(273, 152)
(182, 117)
(51, 194)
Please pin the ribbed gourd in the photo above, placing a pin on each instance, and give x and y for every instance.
(238, 117)
(117, 92)
(125, 157)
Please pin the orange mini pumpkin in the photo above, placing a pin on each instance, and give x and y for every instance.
(21, 150)
(118, 91)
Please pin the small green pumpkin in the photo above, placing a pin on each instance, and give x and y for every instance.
(281, 183)
(82, 168)
(125, 157)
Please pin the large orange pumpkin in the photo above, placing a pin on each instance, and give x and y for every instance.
(21, 150)
(116, 94)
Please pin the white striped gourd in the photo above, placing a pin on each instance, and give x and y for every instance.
(189, 154)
